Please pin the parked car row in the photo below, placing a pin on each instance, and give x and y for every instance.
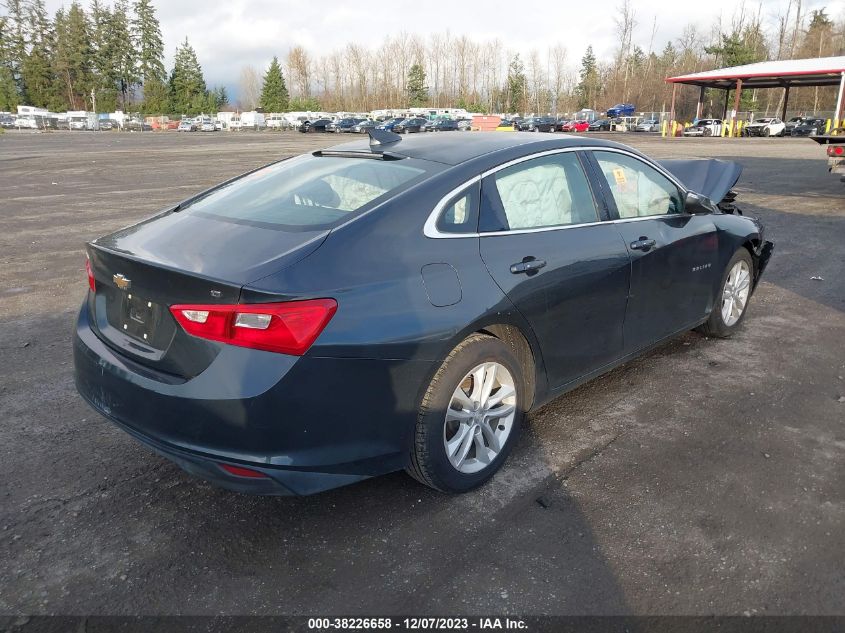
(398, 125)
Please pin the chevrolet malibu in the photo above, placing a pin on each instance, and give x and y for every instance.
(401, 304)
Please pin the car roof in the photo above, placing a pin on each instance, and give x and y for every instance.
(457, 150)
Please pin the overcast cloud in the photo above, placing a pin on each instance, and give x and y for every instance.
(230, 34)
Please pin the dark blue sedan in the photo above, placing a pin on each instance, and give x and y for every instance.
(400, 304)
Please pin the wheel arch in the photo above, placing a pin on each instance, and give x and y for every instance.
(513, 337)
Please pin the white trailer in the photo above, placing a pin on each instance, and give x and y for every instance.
(252, 120)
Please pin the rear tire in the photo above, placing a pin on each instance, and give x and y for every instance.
(463, 434)
(734, 291)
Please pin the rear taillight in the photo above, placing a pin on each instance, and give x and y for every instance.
(92, 284)
(288, 328)
(835, 150)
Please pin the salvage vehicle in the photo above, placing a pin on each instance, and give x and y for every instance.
(835, 142)
(766, 126)
(809, 127)
(318, 125)
(704, 127)
(363, 126)
(648, 125)
(581, 125)
(407, 126)
(401, 303)
(537, 124)
(443, 125)
(794, 122)
(620, 110)
(389, 124)
(186, 125)
(600, 125)
(343, 125)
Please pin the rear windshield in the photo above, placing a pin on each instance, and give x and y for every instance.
(307, 192)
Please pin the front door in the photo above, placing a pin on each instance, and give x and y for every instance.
(672, 252)
(565, 270)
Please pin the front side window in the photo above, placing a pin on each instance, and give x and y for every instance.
(542, 192)
(638, 189)
(306, 192)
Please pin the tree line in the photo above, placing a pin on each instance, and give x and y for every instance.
(444, 70)
(111, 56)
(114, 54)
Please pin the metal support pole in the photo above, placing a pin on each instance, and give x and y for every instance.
(785, 101)
(838, 114)
(737, 98)
(700, 103)
(725, 109)
(672, 107)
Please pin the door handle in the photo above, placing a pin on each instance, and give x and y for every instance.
(529, 265)
(643, 244)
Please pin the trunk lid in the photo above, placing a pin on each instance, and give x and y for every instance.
(142, 270)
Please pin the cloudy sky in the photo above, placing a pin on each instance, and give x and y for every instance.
(228, 34)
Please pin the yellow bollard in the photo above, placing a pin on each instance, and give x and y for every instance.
(663, 129)
(827, 127)
(724, 130)
(731, 129)
(739, 128)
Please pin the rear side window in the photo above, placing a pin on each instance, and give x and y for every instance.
(542, 192)
(460, 215)
(307, 192)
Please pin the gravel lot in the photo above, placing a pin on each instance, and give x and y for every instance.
(705, 478)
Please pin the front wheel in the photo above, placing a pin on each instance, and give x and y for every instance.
(730, 307)
(470, 416)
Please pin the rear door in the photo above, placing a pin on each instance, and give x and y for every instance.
(672, 252)
(565, 269)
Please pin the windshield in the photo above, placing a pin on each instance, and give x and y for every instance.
(307, 191)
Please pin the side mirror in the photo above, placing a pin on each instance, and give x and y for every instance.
(697, 204)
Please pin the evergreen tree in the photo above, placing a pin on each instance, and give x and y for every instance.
(8, 89)
(15, 41)
(103, 55)
(588, 88)
(36, 66)
(221, 98)
(417, 90)
(517, 85)
(124, 58)
(187, 84)
(156, 97)
(146, 37)
(274, 92)
(72, 60)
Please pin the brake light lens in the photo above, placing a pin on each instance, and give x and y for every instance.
(92, 284)
(290, 327)
(835, 150)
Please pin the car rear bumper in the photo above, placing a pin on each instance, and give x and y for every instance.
(308, 424)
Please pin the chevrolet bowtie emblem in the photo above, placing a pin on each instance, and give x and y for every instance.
(122, 282)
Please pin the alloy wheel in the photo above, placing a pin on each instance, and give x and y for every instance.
(480, 417)
(735, 293)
